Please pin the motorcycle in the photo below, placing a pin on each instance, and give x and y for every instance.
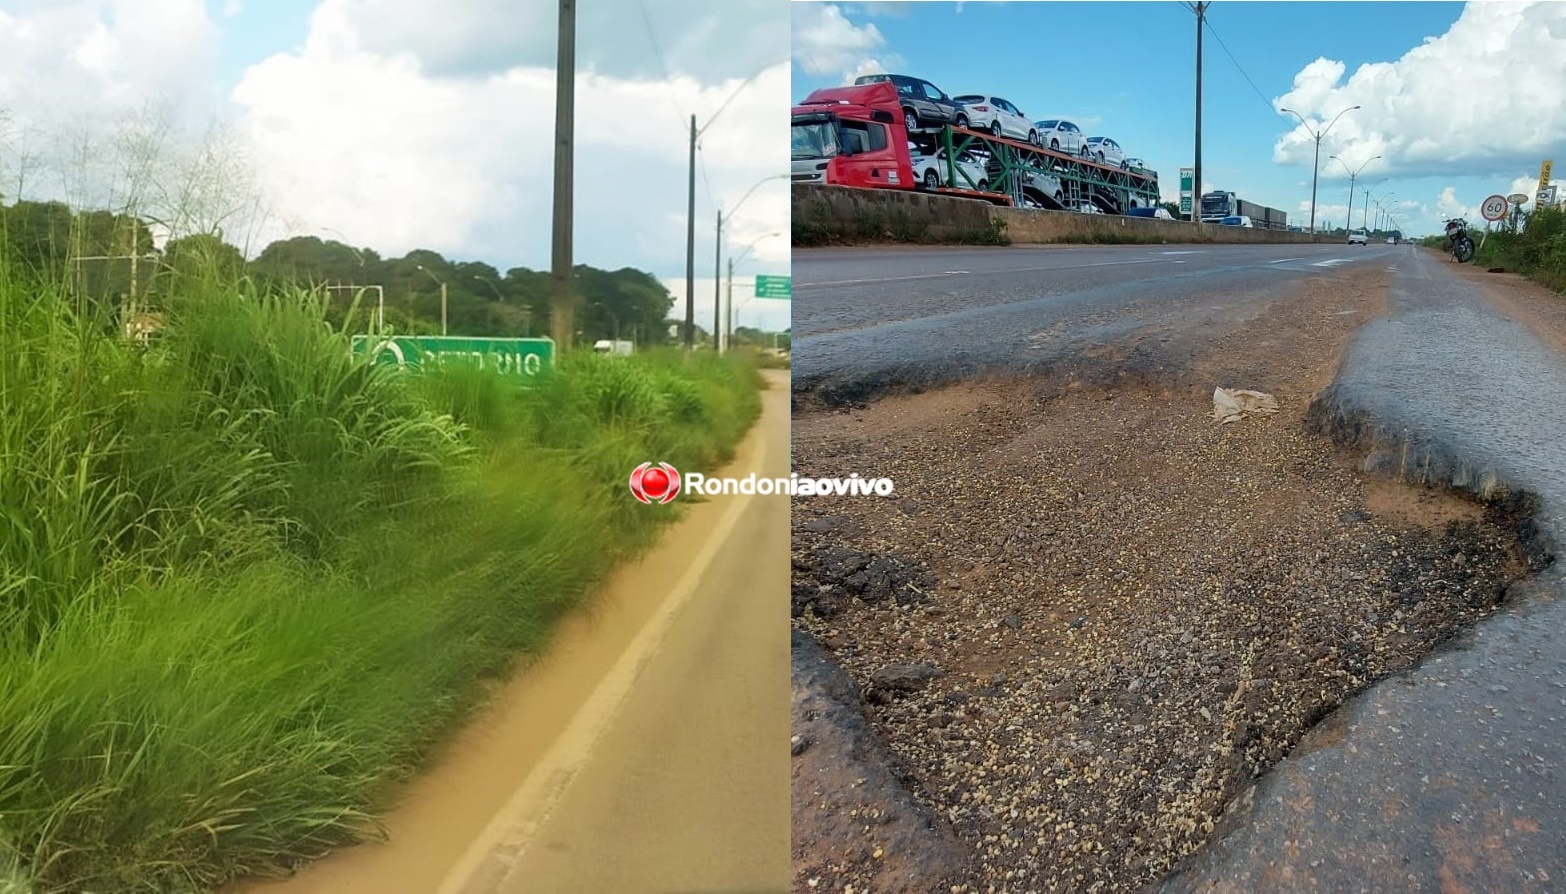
(1462, 245)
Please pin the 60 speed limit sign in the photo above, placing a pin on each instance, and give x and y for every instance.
(1494, 208)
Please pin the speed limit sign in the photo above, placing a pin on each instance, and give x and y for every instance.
(1494, 208)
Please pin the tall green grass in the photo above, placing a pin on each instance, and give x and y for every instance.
(247, 583)
(1538, 252)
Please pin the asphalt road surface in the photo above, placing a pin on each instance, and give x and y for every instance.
(1451, 777)
(873, 320)
(647, 752)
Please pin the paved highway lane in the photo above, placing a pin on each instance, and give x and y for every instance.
(873, 320)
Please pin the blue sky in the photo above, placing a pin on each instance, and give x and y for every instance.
(1127, 70)
(402, 124)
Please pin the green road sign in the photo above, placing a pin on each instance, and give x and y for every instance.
(774, 287)
(512, 356)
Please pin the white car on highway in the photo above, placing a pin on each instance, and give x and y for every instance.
(1062, 136)
(1106, 151)
(998, 116)
(1358, 239)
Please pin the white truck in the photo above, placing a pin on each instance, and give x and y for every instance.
(613, 348)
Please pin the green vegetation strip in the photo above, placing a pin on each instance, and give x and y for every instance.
(247, 583)
(1538, 251)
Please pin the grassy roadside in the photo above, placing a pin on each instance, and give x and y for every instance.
(1538, 252)
(247, 584)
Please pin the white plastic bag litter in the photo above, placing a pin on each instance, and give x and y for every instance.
(1232, 406)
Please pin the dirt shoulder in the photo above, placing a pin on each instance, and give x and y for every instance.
(1087, 621)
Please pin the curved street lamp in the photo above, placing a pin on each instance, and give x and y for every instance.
(442, 283)
(690, 214)
(1352, 175)
(492, 287)
(1364, 218)
(728, 329)
(1316, 169)
(717, 261)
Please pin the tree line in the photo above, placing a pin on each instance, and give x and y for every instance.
(94, 249)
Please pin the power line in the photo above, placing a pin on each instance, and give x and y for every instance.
(702, 160)
(1265, 101)
(683, 117)
(663, 67)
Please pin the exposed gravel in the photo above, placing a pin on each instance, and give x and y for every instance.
(1120, 611)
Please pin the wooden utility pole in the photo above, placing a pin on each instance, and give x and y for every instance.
(562, 294)
(690, 247)
(1196, 169)
(717, 287)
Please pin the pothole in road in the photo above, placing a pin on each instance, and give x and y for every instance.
(1097, 617)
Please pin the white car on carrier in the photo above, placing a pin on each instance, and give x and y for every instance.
(999, 117)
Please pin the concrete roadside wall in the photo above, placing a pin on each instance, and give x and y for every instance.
(824, 214)
(840, 213)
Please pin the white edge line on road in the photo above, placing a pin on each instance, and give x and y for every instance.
(549, 780)
(1281, 260)
(855, 282)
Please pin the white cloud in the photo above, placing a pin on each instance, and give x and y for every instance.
(374, 137)
(1482, 98)
(827, 43)
(372, 145)
(90, 59)
(1449, 206)
(641, 39)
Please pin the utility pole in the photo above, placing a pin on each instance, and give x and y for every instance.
(443, 307)
(690, 249)
(562, 299)
(728, 328)
(1196, 170)
(690, 216)
(717, 287)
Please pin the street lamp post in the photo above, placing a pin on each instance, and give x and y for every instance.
(1364, 218)
(1316, 166)
(690, 213)
(1352, 175)
(492, 287)
(717, 272)
(442, 283)
(728, 329)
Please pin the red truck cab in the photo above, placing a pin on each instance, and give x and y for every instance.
(851, 136)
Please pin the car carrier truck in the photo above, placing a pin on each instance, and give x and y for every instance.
(855, 136)
(1219, 204)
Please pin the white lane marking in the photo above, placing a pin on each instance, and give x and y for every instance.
(1330, 262)
(1281, 260)
(854, 282)
(515, 826)
(849, 282)
(1181, 252)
